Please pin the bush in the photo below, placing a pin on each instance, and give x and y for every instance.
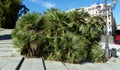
(57, 35)
(97, 55)
(25, 34)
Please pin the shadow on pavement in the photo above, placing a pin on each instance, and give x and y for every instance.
(5, 37)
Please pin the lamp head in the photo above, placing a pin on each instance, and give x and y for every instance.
(114, 2)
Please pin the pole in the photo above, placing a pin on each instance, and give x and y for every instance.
(107, 53)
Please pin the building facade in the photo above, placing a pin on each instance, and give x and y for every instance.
(99, 9)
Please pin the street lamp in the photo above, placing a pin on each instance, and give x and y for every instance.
(107, 52)
(114, 2)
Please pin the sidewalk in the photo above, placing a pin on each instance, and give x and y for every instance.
(11, 63)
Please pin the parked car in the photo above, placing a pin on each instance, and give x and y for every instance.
(116, 37)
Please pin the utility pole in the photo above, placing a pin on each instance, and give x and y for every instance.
(107, 51)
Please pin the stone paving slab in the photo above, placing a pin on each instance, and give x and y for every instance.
(32, 64)
(6, 45)
(3, 54)
(6, 31)
(4, 49)
(3, 62)
(27, 64)
(54, 65)
(90, 66)
(73, 66)
(107, 66)
(37, 64)
(94, 66)
(9, 63)
(10, 41)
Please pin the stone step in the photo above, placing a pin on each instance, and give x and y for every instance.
(6, 49)
(6, 40)
(6, 31)
(5, 54)
(6, 45)
(9, 53)
(3, 42)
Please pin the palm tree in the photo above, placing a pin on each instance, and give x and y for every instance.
(58, 35)
(25, 35)
(23, 9)
(89, 30)
(53, 20)
(96, 25)
(64, 39)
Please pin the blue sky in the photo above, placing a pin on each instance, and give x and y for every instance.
(43, 5)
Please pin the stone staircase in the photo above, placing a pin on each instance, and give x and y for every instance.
(6, 44)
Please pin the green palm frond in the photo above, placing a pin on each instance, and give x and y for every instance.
(58, 35)
(25, 33)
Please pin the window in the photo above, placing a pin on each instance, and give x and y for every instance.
(117, 32)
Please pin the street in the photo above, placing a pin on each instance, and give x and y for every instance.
(111, 44)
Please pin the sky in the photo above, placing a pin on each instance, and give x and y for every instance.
(42, 5)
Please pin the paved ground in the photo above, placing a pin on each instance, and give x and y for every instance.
(37, 64)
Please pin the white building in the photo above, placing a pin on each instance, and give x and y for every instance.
(118, 27)
(99, 9)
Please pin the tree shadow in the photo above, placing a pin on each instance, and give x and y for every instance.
(5, 37)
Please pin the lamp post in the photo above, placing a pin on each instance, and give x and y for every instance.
(107, 52)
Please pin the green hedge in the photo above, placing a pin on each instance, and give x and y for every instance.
(61, 36)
